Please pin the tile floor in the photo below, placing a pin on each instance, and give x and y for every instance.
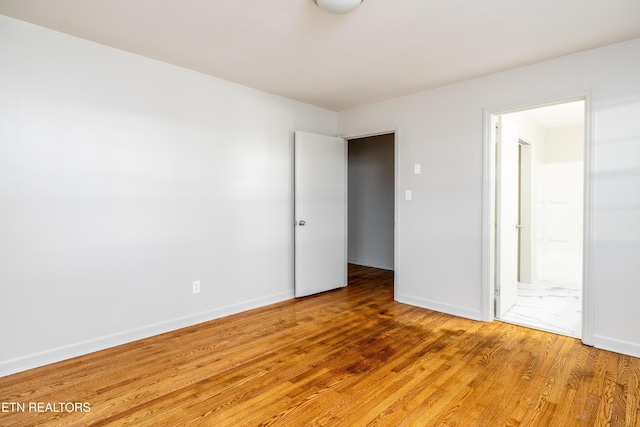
(550, 307)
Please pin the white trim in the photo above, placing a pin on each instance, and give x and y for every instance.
(345, 145)
(453, 310)
(384, 130)
(372, 131)
(487, 286)
(617, 346)
(35, 360)
(588, 311)
(396, 214)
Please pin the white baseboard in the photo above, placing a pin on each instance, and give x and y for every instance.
(31, 361)
(617, 346)
(369, 263)
(441, 307)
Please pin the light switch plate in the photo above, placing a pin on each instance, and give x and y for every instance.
(407, 195)
(417, 169)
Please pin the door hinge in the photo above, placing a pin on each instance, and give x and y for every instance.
(497, 292)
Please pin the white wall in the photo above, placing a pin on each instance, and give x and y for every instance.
(371, 201)
(557, 198)
(124, 179)
(559, 249)
(440, 236)
(532, 132)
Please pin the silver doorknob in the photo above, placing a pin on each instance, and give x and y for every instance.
(301, 223)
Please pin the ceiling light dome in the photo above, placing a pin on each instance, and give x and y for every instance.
(338, 6)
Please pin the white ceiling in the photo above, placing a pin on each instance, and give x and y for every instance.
(384, 49)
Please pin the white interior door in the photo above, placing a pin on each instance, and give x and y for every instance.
(526, 242)
(507, 218)
(320, 213)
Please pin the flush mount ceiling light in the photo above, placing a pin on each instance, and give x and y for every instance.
(338, 6)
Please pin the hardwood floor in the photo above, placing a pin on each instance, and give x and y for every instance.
(350, 357)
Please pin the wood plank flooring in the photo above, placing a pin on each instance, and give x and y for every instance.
(350, 357)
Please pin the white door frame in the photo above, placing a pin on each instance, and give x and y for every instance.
(383, 130)
(506, 234)
(525, 237)
(488, 204)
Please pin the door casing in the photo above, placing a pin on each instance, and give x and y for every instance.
(396, 131)
(489, 199)
(506, 211)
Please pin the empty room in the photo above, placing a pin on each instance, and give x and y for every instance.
(319, 212)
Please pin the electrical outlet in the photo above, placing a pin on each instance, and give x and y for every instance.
(196, 287)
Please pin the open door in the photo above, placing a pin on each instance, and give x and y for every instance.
(320, 213)
(506, 217)
(526, 242)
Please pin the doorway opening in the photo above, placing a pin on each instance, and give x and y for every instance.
(371, 201)
(539, 216)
